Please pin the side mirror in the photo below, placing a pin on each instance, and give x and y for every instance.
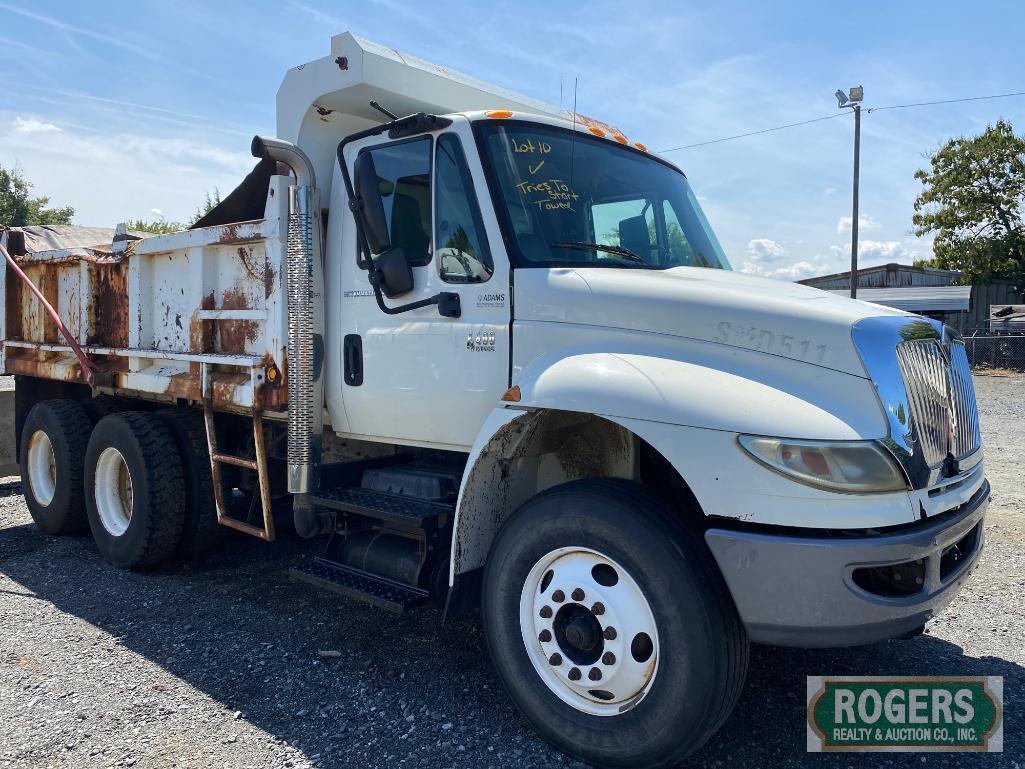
(375, 225)
(394, 275)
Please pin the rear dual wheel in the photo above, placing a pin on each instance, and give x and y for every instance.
(134, 489)
(610, 626)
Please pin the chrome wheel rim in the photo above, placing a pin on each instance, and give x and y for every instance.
(589, 631)
(113, 491)
(42, 468)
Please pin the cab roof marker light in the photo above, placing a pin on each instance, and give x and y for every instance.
(498, 113)
(596, 131)
(620, 138)
(640, 146)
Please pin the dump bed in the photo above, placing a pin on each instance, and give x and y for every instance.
(151, 314)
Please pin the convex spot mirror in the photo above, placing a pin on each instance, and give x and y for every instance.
(394, 274)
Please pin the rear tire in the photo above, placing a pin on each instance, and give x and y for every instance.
(134, 490)
(632, 605)
(201, 530)
(53, 445)
(102, 405)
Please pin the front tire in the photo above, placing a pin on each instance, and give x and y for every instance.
(610, 626)
(134, 490)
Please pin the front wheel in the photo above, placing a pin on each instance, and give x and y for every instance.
(610, 626)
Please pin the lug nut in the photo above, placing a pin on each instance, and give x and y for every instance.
(558, 596)
(608, 658)
(574, 674)
(556, 660)
(610, 633)
(546, 612)
(578, 595)
(598, 609)
(544, 636)
(594, 674)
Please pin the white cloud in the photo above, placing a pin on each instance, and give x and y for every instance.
(865, 222)
(795, 271)
(31, 125)
(111, 177)
(765, 250)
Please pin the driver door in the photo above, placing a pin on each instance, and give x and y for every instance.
(425, 379)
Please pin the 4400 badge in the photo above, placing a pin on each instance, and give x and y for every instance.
(915, 713)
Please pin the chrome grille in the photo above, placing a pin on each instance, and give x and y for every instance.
(941, 398)
(965, 421)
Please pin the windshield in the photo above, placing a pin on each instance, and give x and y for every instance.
(569, 199)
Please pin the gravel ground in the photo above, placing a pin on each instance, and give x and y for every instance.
(227, 663)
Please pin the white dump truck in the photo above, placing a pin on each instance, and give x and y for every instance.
(490, 353)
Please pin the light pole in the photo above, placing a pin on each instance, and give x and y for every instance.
(853, 99)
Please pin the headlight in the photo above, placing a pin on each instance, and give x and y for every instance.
(862, 467)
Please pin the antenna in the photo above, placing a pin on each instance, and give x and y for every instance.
(573, 146)
(382, 110)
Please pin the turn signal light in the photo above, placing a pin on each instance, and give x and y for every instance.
(512, 394)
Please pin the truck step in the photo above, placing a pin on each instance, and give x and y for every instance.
(378, 591)
(393, 509)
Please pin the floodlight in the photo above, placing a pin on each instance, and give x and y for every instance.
(841, 98)
(857, 93)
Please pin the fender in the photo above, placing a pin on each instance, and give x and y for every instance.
(690, 411)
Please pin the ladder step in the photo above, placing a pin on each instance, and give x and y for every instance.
(378, 591)
(395, 509)
(227, 459)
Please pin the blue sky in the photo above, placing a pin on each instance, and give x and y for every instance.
(136, 109)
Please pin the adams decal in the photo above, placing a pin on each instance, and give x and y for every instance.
(491, 299)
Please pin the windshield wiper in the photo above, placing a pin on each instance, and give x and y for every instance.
(626, 253)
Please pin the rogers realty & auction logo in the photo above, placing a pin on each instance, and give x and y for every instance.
(877, 713)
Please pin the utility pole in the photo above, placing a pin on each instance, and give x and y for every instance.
(853, 100)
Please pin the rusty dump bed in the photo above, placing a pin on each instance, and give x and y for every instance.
(153, 315)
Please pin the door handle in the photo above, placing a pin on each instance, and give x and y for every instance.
(352, 355)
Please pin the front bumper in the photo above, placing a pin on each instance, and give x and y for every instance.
(801, 591)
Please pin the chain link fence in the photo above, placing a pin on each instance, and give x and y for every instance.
(988, 349)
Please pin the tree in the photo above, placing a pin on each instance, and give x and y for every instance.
(163, 227)
(18, 209)
(211, 202)
(157, 226)
(972, 201)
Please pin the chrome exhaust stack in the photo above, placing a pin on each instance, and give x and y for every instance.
(305, 292)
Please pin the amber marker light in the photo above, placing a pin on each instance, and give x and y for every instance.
(620, 138)
(640, 146)
(596, 130)
(499, 113)
(512, 395)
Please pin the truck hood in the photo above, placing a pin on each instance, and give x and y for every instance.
(717, 306)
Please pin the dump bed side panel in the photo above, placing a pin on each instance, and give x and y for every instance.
(150, 315)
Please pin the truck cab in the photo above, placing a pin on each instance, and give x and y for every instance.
(519, 376)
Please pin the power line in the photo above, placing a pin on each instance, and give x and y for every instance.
(841, 114)
(945, 101)
(755, 133)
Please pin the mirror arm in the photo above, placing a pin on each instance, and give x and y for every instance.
(447, 301)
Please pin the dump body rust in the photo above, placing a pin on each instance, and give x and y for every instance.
(149, 313)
